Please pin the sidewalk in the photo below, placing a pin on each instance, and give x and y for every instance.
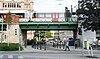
(30, 49)
(51, 49)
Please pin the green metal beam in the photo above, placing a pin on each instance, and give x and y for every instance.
(47, 25)
(34, 23)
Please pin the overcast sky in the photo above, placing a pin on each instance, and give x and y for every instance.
(52, 5)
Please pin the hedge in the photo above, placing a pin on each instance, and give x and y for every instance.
(11, 47)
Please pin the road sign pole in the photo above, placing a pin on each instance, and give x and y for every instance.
(82, 41)
(19, 39)
(2, 32)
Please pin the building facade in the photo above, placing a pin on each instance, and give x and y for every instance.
(18, 8)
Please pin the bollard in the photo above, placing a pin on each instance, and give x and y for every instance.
(53, 44)
(32, 45)
(37, 46)
(44, 46)
(25, 45)
(60, 45)
(57, 44)
(63, 46)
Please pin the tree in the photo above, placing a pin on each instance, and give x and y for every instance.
(9, 19)
(42, 34)
(89, 13)
(36, 33)
(48, 34)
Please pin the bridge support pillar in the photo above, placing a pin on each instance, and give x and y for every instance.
(24, 33)
(74, 34)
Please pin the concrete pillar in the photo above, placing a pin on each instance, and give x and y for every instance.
(24, 33)
(74, 34)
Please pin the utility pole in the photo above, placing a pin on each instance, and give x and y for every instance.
(2, 31)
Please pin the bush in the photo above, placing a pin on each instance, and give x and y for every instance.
(29, 42)
(32, 41)
(11, 47)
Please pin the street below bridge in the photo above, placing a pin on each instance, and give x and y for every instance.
(49, 53)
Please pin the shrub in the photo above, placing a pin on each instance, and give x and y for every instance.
(29, 42)
(32, 41)
(11, 47)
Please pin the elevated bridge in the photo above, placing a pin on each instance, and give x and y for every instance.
(25, 26)
(45, 25)
(48, 25)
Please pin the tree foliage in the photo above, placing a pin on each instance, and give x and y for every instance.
(89, 13)
(9, 18)
(42, 34)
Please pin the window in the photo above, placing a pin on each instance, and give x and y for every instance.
(18, 5)
(8, 5)
(14, 5)
(21, 15)
(15, 31)
(56, 15)
(4, 5)
(41, 15)
(48, 14)
(27, 5)
(61, 15)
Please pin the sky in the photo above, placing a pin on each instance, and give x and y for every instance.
(52, 5)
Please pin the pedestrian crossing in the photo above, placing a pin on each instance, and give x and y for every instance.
(11, 57)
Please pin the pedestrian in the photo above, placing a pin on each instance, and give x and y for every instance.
(66, 43)
(25, 44)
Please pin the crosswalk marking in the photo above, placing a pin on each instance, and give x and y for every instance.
(11, 56)
(20, 57)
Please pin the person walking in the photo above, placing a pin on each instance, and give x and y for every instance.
(66, 43)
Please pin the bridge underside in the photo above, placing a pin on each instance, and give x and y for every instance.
(48, 26)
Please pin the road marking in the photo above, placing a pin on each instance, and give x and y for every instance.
(10, 56)
(20, 57)
(1, 56)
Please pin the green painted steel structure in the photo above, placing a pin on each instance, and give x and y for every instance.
(46, 25)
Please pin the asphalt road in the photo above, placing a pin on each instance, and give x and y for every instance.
(51, 53)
